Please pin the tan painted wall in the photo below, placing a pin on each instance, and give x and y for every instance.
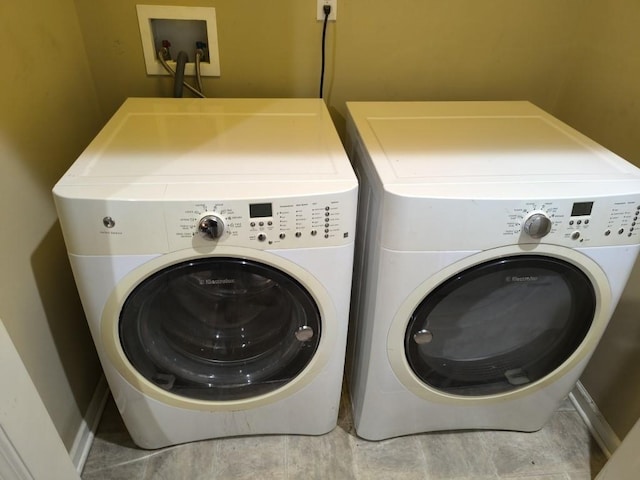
(405, 49)
(602, 99)
(48, 113)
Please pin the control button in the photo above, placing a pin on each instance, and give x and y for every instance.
(269, 223)
(298, 234)
(108, 222)
(326, 208)
(282, 236)
(326, 230)
(326, 214)
(579, 222)
(571, 222)
(621, 231)
(261, 224)
(314, 232)
(586, 222)
(607, 233)
(211, 227)
(575, 235)
(537, 225)
(253, 224)
(326, 235)
(262, 237)
(326, 225)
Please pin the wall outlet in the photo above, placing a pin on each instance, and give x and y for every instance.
(182, 27)
(320, 9)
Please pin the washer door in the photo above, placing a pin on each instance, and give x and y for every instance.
(223, 331)
(219, 328)
(500, 325)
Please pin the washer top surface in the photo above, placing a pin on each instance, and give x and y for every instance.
(151, 141)
(477, 145)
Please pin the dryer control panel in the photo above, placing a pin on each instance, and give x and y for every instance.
(603, 221)
(469, 224)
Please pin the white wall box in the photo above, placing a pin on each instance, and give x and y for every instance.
(182, 27)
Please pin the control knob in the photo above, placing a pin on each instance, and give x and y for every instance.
(211, 227)
(537, 225)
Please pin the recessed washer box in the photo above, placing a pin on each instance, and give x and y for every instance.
(182, 27)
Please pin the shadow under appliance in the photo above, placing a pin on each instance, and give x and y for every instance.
(494, 243)
(212, 245)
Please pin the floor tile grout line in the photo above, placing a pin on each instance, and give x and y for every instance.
(286, 457)
(425, 467)
(120, 464)
(354, 461)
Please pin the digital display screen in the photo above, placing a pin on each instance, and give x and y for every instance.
(581, 208)
(257, 210)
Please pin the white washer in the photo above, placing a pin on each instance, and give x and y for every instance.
(494, 243)
(212, 245)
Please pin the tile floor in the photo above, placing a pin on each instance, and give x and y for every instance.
(562, 450)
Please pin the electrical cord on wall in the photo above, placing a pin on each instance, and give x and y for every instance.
(327, 11)
(172, 72)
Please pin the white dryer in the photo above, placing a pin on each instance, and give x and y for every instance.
(494, 244)
(212, 244)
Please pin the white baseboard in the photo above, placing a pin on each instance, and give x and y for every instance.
(86, 432)
(597, 424)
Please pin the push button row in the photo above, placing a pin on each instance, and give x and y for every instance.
(262, 237)
(579, 222)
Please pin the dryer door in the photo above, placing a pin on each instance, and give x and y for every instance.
(500, 325)
(219, 328)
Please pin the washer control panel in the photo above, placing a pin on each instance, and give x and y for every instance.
(155, 226)
(277, 223)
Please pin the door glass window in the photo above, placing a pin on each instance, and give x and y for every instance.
(220, 328)
(500, 325)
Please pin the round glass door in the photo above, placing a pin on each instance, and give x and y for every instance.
(500, 325)
(220, 328)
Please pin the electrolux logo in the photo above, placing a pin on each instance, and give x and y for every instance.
(218, 281)
(522, 279)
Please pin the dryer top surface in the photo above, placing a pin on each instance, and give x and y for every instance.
(153, 141)
(481, 143)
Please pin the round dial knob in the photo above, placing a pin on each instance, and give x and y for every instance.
(211, 226)
(537, 225)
